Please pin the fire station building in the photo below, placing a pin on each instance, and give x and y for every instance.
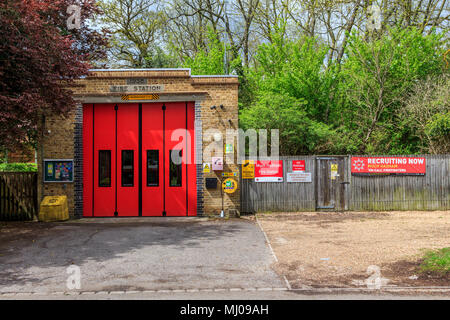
(135, 143)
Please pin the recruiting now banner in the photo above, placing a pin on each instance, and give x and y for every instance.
(388, 165)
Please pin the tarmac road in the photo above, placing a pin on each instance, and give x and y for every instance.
(138, 254)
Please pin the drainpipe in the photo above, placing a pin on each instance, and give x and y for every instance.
(41, 182)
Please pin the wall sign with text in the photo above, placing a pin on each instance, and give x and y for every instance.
(298, 177)
(269, 171)
(388, 166)
(136, 88)
(298, 165)
(248, 169)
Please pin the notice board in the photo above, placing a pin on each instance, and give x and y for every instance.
(58, 170)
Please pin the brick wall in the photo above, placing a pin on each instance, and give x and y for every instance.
(26, 155)
(64, 139)
(57, 143)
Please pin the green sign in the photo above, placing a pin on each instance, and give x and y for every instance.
(59, 170)
(229, 148)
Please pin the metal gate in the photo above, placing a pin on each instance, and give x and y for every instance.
(331, 186)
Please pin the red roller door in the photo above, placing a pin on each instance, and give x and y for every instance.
(139, 160)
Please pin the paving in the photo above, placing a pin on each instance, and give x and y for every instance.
(138, 254)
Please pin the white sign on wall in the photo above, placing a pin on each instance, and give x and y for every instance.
(299, 177)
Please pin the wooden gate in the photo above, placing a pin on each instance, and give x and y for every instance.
(331, 186)
(18, 195)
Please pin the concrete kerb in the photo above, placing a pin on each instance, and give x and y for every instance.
(324, 290)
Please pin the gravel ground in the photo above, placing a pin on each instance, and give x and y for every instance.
(336, 249)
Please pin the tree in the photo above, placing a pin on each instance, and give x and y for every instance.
(232, 20)
(39, 58)
(136, 26)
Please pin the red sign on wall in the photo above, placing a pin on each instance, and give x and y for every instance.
(298, 165)
(388, 165)
(269, 171)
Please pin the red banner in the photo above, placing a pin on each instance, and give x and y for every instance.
(269, 171)
(388, 165)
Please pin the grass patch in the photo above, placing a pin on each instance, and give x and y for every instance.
(18, 167)
(436, 261)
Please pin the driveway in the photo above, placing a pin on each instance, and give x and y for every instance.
(136, 254)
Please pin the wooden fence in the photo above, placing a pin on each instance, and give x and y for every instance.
(277, 196)
(350, 192)
(18, 195)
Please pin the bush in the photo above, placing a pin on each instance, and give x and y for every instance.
(18, 167)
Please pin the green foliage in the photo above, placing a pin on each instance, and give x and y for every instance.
(439, 125)
(18, 167)
(299, 134)
(377, 75)
(291, 93)
(211, 59)
(296, 69)
(354, 107)
(321, 109)
(438, 129)
(437, 261)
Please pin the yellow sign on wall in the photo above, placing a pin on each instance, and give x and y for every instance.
(334, 171)
(229, 185)
(206, 167)
(248, 169)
